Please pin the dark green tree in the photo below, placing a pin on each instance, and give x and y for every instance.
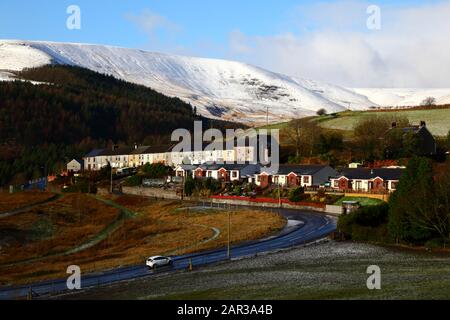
(189, 186)
(413, 214)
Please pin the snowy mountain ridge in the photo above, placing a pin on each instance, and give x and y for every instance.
(222, 89)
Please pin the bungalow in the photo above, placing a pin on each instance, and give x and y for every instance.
(367, 180)
(296, 175)
(184, 170)
(226, 172)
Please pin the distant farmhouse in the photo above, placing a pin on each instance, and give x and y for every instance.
(423, 144)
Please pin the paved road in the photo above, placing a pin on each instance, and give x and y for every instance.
(314, 226)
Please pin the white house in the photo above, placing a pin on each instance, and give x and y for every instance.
(367, 180)
(75, 165)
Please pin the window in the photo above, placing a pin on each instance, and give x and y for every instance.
(336, 184)
(306, 180)
(234, 174)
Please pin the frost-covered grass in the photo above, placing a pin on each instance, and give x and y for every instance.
(327, 271)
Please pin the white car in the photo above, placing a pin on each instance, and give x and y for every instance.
(158, 261)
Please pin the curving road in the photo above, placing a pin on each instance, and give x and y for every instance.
(303, 227)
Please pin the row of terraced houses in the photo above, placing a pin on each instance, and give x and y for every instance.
(126, 157)
(216, 165)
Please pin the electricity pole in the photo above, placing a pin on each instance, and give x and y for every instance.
(279, 193)
(182, 186)
(229, 238)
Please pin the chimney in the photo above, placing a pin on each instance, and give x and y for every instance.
(394, 125)
(423, 124)
(135, 146)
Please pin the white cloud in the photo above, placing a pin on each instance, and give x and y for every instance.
(333, 44)
(151, 22)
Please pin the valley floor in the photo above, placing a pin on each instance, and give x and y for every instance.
(332, 270)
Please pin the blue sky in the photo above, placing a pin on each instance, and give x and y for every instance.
(268, 33)
(195, 22)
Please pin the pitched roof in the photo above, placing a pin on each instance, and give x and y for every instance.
(151, 149)
(187, 167)
(192, 147)
(300, 169)
(368, 174)
(94, 153)
(228, 167)
(121, 151)
(139, 150)
(80, 161)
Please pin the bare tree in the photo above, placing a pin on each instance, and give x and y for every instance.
(303, 134)
(429, 102)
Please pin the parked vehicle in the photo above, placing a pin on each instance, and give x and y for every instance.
(158, 261)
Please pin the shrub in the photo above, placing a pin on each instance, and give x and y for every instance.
(211, 185)
(155, 170)
(189, 186)
(298, 194)
(321, 193)
(133, 181)
(366, 223)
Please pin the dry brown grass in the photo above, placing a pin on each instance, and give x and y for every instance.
(53, 227)
(9, 202)
(158, 228)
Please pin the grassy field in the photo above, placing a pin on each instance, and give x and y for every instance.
(335, 270)
(17, 200)
(438, 120)
(362, 200)
(40, 243)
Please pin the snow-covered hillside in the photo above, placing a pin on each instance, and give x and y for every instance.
(404, 97)
(218, 88)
